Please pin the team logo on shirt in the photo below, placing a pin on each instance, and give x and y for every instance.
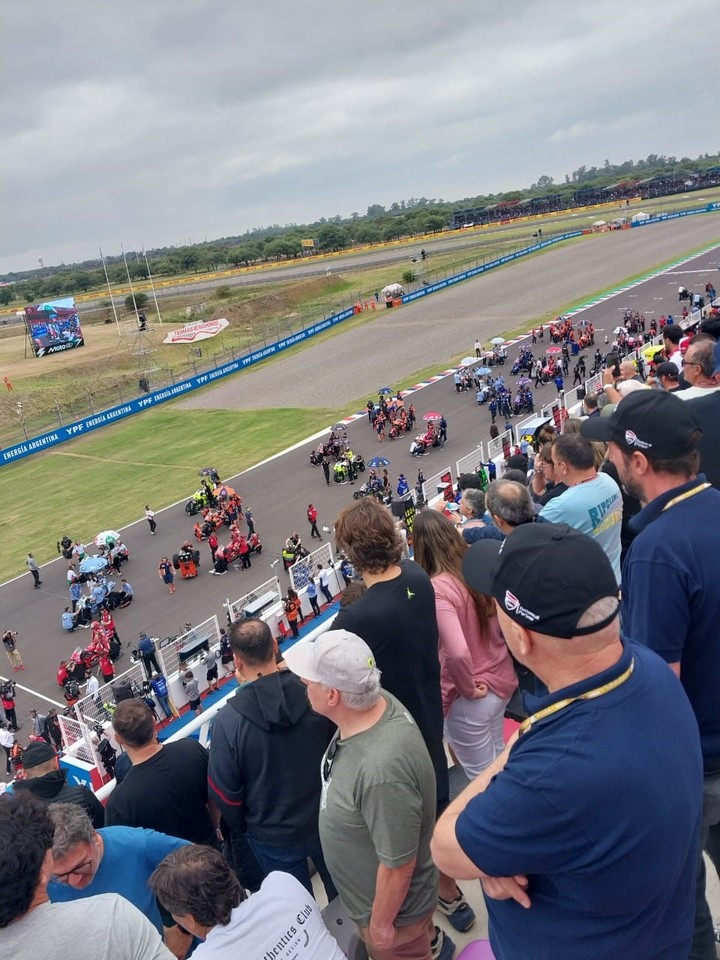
(513, 605)
(633, 440)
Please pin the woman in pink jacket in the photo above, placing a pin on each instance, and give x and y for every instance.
(477, 676)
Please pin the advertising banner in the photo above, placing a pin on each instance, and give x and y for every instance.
(198, 330)
(53, 326)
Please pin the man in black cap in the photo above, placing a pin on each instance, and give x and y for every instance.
(671, 578)
(668, 376)
(584, 832)
(45, 779)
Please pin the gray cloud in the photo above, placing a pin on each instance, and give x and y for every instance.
(170, 120)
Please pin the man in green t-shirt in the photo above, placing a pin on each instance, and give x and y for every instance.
(377, 807)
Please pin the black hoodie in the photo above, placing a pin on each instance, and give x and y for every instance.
(54, 788)
(265, 756)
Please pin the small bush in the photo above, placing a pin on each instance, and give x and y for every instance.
(408, 276)
(140, 300)
(223, 293)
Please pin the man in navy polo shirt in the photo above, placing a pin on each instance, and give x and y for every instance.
(585, 832)
(671, 578)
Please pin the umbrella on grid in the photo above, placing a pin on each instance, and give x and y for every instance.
(523, 381)
(483, 371)
(619, 330)
(432, 415)
(384, 390)
(554, 349)
(223, 490)
(496, 341)
(468, 361)
(93, 564)
(583, 323)
(378, 462)
(207, 472)
(108, 538)
(339, 426)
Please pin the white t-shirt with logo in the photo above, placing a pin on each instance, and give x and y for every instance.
(280, 920)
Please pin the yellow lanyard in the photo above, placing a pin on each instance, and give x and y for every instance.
(590, 695)
(685, 496)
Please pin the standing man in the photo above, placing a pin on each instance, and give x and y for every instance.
(593, 502)
(671, 581)
(34, 569)
(378, 799)
(150, 517)
(326, 469)
(250, 521)
(166, 787)
(44, 779)
(584, 832)
(478, 348)
(312, 516)
(266, 752)
(396, 617)
(146, 649)
(9, 639)
(7, 698)
(52, 732)
(324, 578)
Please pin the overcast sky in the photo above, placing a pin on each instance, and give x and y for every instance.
(168, 121)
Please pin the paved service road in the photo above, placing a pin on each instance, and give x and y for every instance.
(280, 490)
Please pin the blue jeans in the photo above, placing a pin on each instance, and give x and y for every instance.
(163, 701)
(293, 859)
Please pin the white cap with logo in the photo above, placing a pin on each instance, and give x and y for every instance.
(337, 658)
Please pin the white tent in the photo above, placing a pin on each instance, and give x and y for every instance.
(640, 216)
(600, 223)
(394, 289)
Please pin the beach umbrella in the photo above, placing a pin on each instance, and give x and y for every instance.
(93, 564)
(108, 538)
(432, 415)
(523, 381)
(554, 349)
(378, 462)
(483, 371)
(383, 391)
(207, 472)
(338, 426)
(497, 341)
(223, 490)
(468, 361)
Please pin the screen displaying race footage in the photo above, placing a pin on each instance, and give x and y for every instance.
(53, 326)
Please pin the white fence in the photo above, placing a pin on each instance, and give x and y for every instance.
(471, 462)
(252, 604)
(77, 738)
(437, 483)
(99, 707)
(501, 446)
(301, 571)
(175, 653)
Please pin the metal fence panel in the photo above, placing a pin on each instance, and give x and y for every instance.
(170, 649)
(236, 608)
(99, 707)
(430, 486)
(301, 570)
(471, 461)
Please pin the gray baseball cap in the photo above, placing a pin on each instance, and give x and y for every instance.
(338, 659)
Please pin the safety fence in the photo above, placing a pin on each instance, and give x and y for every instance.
(471, 462)
(96, 708)
(253, 603)
(176, 653)
(301, 571)
(437, 483)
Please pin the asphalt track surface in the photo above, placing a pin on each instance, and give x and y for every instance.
(333, 372)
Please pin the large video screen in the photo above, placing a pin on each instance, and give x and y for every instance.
(53, 326)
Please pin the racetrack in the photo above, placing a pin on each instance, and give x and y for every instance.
(335, 372)
(444, 325)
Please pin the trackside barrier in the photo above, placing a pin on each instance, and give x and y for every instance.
(521, 424)
(99, 707)
(593, 383)
(572, 401)
(176, 652)
(501, 446)
(301, 571)
(437, 483)
(471, 462)
(203, 722)
(256, 601)
(556, 411)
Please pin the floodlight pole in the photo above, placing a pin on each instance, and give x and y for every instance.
(132, 292)
(152, 287)
(112, 299)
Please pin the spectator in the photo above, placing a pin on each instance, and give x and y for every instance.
(7, 698)
(544, 487)
(590, 818)
(196, 885)
(509, 506)
(590, 405)
(396, 618)
(210, 662)
(266, 749)
(45, 780)
(324, 580)
(7, 742)
(159, 687)
(707, 410)
(192, 691)
(668, 376)
(146, 649)
(166, 788)
(104, 926)
(378, 798)
(671, 585)
(52, 732)
(593, 502)
(9, 639)
(38, 722)
(118, 860)
(476, 672)
(699, 368)
(312, 595)
(672, 335)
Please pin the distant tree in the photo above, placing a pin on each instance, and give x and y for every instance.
(408, 276)
(188, 258)
(282, 247)
(248, 253)
(139, 301)
(544, 182)
(375, 210)
(366, 233)
(7, 294)
(331, 237)
(393, 230)
(435, 223)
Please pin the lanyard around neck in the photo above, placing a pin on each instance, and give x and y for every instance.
(529, 722)
(685, 496)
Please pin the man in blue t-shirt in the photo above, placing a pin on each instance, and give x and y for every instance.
(671, 578)
(118, 860)
(585, 832)
(592, 503)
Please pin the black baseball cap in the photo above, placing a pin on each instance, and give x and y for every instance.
(544, 576)
(667, 369)
(648, 420)
(36, 753)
